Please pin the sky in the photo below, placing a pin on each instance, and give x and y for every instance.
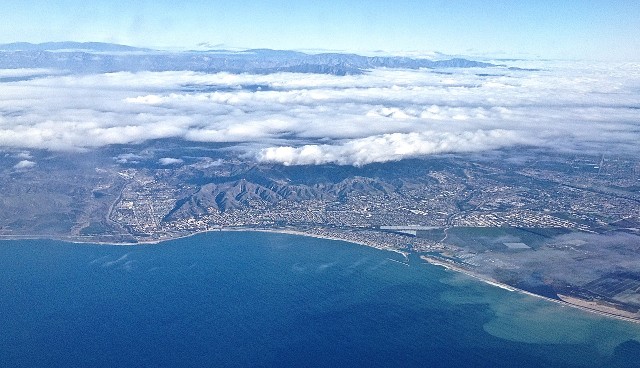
(555, 29)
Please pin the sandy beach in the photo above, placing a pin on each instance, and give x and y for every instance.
(584, 305)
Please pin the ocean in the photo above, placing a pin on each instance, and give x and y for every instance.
(252, 299)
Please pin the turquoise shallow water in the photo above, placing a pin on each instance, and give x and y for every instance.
(273, 300)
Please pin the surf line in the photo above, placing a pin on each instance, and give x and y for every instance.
(395, 260)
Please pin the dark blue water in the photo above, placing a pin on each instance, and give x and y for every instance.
(270, 300)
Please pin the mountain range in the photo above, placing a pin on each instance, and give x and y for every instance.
(95, 57)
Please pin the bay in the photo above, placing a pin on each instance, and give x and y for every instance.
(239, 299)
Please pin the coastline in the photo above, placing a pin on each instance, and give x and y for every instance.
(584, 305)
(319, 236)
(91, 240)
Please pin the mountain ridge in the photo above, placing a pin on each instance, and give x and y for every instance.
(96, 57)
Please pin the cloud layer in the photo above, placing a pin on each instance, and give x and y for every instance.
(390, 147)
(314, 119)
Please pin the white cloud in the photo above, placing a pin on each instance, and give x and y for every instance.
(310, 118)
(166, 161)
(391, 147)
(24, 164)
(128, 158)
(24, 155)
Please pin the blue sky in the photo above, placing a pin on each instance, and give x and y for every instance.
(571, 29)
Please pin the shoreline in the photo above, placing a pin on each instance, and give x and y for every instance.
(75, 240)
(319, 236)
(577, 303)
